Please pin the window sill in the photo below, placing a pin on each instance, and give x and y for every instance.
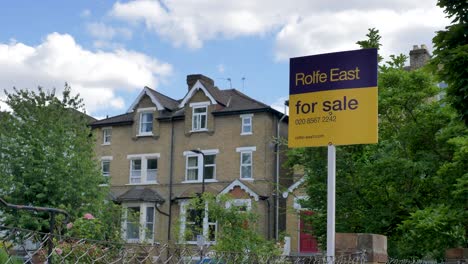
(105, 144)
(199, 130)
(211, 180)
(143, 183)
(103, 185)
(145, 135)
(246, 179)
(246, 134)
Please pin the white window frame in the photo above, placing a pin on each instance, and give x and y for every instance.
(200, 165)
(240, 202)
(106, 135)
(105, 159)
(144, 168)
(143, 111)
(249, 151)
(196, 125)
(184, 205)
(244, 118)
(142, 230)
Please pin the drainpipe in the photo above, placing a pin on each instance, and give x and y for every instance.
(171, 169)
(278, 127)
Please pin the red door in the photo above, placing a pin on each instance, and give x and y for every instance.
(307, 242)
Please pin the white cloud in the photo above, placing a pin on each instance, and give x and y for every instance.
(102, 31)
(300, 27)
(85, 13)
(221, 68)
(97, 76)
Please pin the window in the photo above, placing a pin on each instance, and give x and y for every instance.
(199, 118)
(143, 168)
(242, 205)
(197, 222)
(196, 166)
(246, 162)
(146, 123)
(105, 169)
(246, 124)
(106, 136)
(139, 222)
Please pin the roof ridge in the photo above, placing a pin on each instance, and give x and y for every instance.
(113, 116)
(159, 93)
(248, 97)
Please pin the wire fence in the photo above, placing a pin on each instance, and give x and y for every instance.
(26, 246)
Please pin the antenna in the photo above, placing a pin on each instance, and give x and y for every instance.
(229, 80)
(243, 81)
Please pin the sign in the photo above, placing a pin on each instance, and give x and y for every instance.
(333, 99)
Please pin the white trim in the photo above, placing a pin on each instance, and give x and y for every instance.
(104, 142)
(144, 168)
(246, 115)
(198, 85)
(246, 149)
(240, 202)
(151, 96)
(200, 165)
(198, 104)
(141, 222)
(244, 187)
(183, 205)
(147, 155)
(205, 151)
(146, 109)
(140, 123)
(293, 187)
(106, 158)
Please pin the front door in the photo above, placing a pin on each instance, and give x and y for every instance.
(307, 242)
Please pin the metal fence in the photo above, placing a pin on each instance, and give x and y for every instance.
(25, 246)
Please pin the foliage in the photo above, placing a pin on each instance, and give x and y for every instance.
(237, 230)
(450, 62)
(372, 41)
(415, 174)
(47, 157)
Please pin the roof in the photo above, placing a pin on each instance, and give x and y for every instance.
(140, 194)
(124, 119)
(230, 101)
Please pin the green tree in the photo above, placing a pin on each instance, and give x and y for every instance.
(237, 227)
(450, 62)
(412, 175)
(47, 157)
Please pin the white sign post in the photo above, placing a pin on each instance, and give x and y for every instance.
(331, 184)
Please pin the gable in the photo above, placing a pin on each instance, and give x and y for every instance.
(145, 92)
(198, 86)
(237, 187)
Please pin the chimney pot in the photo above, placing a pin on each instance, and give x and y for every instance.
(415, 47)
(193, 78)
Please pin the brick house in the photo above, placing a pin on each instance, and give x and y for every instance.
(147, 158)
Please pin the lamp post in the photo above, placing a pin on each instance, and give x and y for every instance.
(203, 168)
(201, 238)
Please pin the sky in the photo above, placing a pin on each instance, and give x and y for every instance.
(109, 50)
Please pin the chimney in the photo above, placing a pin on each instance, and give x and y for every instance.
(193, 78)
(419, 56)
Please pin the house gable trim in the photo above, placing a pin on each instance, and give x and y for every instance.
(145, 91)
(294, 187)
(243, 187)
(197, 86)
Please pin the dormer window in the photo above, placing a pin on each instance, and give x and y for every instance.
(146, 121)
(199, 116)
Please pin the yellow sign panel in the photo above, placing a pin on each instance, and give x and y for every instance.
(338, 117)
(333, 99)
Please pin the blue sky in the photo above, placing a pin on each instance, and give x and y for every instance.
(109, 50)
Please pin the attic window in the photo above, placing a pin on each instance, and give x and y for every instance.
(199, 116)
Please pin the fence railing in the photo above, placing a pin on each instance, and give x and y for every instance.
(26, 246)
